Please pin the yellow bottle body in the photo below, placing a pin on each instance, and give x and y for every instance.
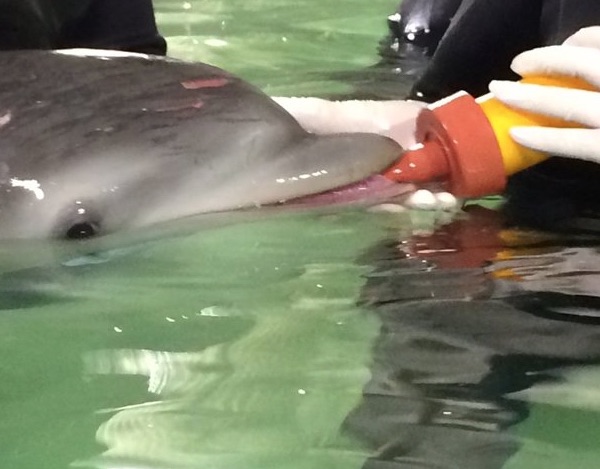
(502, 118)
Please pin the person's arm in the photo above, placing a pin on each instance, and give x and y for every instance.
(127, 25)
(482, 39)
(394, 119)
(34, 24)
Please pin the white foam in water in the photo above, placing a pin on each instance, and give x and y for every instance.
(446, 201)
(427, 200)
(422, 200)
(389, 208)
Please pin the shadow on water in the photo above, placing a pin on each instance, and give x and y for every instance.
(477, 317)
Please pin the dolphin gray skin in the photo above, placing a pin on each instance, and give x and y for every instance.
(93, 145)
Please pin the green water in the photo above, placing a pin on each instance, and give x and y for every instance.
(285, 47)
(238, 347)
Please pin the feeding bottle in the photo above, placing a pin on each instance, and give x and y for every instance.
(466, 142)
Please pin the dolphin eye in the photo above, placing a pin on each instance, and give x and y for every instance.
(79, 222)
(82, 230)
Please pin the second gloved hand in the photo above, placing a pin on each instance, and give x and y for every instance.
(394, 119)
(578, 56)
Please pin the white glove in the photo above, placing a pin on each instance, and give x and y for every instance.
(394, 119)
(578, 56)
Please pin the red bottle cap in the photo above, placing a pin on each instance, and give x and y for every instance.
(458, 146)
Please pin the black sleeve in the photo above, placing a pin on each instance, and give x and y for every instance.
(561, 18)
(479, 45)
(35, 24)
(485, 35)
(52, 24)
(560, 193)
(115, 24)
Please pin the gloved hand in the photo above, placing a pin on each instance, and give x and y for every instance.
(394, 119)
(578, 56)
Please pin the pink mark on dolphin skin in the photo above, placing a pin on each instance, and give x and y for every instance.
(5, 118)
(200, 83)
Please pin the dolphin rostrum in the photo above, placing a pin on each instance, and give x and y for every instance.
(96, 144)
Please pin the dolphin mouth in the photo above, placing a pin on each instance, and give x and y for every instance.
(369, 191)
(337, 169)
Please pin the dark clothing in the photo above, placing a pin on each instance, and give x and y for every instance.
(478, 46)
(127, 25)
(471, 42)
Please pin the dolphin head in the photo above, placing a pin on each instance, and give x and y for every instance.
(93, 145)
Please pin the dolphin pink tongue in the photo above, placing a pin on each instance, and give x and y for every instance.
(373, 189)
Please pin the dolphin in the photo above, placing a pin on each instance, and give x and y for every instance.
(92, 144)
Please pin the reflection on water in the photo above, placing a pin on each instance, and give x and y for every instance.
(239, 347)
(243, 347)
(248, 360)
(252, 402)
(475, 319)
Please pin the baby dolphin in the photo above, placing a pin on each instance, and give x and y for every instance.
(92, 144)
